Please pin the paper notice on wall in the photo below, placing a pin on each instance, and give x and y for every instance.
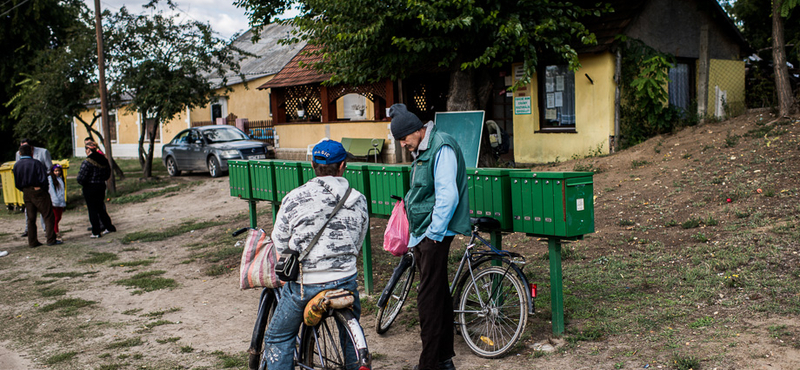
(519, 72)
(580, 204)
(550, 114)
(559, 83)
(551, 100)
(558, 99)
(549, 85)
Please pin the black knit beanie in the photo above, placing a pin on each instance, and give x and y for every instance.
(403, 121)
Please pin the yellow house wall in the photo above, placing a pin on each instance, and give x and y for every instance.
(128, 130)
(729, 76)
(299, 136)
(594, 114)
(243, 102)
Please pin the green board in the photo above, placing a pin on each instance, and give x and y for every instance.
(466, 127)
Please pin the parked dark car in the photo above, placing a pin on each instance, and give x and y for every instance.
(209, 148)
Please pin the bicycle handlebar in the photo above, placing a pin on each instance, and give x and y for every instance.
(239, 232)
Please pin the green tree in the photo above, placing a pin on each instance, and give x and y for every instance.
(770, 35)
(364, 41)
(26, 29)
(165, 66)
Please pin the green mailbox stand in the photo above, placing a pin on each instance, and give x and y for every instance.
(241, 185)
(306, 172)
(357, 174)
(288, 176)
(557, 206)
(386, 180)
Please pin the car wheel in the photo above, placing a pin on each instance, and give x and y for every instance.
(172, 167)
(213, 167)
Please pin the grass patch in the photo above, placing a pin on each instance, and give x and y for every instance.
(72, 274)
(153, 324)
(68, 304)
(229, 361)
(625, 222)
(168, 340)
(637, 164)
(187, 349)
(146, 262)
(217, 270)
(685, 362)
(152, 236)
(125, 343)
(52, 292)
(59, 358)
(132, 311)
(144, 196)
(148, 281)
(159, 314)
(96, 258)
(691, 223)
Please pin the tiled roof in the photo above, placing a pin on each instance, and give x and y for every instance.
(293, 74)
(269, 55)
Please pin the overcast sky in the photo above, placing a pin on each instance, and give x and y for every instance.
(224, 17)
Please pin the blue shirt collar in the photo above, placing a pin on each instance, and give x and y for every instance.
(25, 156)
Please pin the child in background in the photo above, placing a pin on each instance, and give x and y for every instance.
(57, 194)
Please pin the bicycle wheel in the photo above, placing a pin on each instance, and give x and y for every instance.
(492, 312)
(397, 298)
(336, 343)
(255, 352)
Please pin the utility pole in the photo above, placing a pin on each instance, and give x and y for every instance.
(101, 62)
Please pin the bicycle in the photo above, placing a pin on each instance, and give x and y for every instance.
(491, 302)
(322, 346)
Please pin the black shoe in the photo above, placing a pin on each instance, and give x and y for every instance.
(36, 245)
(57, 242)
(447, 365)
(89, 228)
(24, 234)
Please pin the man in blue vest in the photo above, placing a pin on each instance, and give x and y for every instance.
(438, 208)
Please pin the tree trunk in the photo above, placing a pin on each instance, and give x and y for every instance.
(462, 91)
(141, 142)
(782, 87)
(148, 167)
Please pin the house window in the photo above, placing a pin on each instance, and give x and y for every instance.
(354, 100)
(219, 109)
(557, 98)
(681, 85)
(112, 119)
(150, 121)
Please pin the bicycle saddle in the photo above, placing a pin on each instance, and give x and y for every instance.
(485, 223)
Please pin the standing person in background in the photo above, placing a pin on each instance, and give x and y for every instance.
(92, 176)
(41, 155)
(57, 195)
(30, 177)
(438, 208)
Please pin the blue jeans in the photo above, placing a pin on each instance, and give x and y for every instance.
(280, 340)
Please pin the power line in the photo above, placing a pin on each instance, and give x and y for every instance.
(16, 6)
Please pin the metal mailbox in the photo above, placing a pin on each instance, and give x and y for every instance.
(552, 203)
(239, 178)
(490, 194)
(262, 178)
(287, 178)
(306, 172)
(357, 174)
(386, 180)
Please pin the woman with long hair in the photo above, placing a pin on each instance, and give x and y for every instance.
(57, 194)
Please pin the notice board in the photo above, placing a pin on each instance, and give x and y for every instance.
(466, 127)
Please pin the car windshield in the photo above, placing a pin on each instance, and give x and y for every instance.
(222, 134)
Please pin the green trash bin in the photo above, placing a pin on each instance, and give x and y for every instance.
(239, 178)
(552, 203)
(262, 178)
(386, 180)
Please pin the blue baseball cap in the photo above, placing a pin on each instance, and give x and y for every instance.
(329, 152)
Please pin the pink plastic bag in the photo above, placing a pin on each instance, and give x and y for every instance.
(395, 238)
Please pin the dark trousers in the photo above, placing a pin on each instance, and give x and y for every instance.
(434, 303)
(39, 201)
(95, 202)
